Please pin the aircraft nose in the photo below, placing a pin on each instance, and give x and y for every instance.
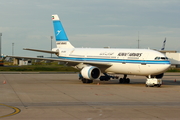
(167, 66)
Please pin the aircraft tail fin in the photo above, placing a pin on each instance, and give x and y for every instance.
(60, 34)
(164, 43)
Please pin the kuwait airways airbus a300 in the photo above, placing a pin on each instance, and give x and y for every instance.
(101, 63)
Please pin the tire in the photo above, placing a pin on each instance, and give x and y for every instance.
(84, 80)
(120, 80)
(87, 81)
(90, 81)
(127, 80)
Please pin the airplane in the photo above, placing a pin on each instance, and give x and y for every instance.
(102, 63)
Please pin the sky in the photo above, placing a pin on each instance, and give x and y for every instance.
(93, 23)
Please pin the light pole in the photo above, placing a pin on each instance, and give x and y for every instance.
(0, 45)
(138, 40)
(12, 49)
(51, 44)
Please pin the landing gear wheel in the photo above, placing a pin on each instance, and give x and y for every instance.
(122, 80)
(127, 80)
(84, 80)
(90, 81)
(87, 81)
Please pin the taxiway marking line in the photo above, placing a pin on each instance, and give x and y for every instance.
(16, 111)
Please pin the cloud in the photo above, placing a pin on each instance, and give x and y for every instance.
(116, 23)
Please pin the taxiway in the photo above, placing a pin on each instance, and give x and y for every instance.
(63, 96)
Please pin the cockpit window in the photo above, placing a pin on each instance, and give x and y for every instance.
(157, 58)
(161, 58)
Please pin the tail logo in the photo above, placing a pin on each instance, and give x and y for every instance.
(58, 32)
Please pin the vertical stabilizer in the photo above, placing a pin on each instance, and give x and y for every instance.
(60, 35)
(164, 43)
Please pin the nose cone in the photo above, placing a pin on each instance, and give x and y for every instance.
(165, 67)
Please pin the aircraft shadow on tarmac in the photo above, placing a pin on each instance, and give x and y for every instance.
(137, 82)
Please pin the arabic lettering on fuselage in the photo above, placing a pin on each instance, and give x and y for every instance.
(61, 43)
(106, 53)
(130, 54)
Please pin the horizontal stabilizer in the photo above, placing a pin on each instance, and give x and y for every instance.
(45, 51)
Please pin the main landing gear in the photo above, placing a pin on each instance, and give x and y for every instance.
(107, 77)
(84, 80)
(124, 79)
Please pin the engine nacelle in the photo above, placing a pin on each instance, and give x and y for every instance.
(90, 72)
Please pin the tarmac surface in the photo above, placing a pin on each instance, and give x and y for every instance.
(63, 97)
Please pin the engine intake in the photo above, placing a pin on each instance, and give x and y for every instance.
(90, 72)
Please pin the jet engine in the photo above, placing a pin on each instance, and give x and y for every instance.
(90, 72)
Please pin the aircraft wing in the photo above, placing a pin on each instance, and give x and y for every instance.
(45, 51)
(65, 61)
(45, 59)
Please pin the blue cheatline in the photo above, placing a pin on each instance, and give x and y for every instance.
(59, 31)
(115, 60)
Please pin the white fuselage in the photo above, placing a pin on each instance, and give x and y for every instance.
(123, 61)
